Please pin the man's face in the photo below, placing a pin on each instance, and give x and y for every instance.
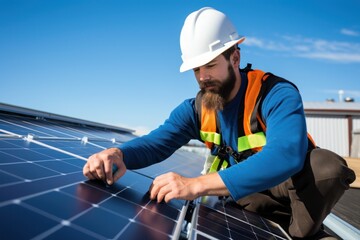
(216, 80)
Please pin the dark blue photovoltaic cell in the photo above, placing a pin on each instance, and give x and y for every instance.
(58, 204)
(5, 178)
(94, 221)
(74, 161)
(87, 193)
(25, 187)
(59, 166)
(18, 222)
(8, 158)
(28, 171)
(27, 154)
(123, 206)
(66, 232)
(139, 231)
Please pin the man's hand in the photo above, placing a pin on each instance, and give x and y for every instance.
(99, 165)
(174, 186)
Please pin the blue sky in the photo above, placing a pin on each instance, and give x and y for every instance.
(117, 62)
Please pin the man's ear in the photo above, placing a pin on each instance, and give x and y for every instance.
(235, 59)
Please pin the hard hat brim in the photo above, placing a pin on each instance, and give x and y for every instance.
(207, 57)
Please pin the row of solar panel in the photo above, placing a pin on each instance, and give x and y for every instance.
(43, 194)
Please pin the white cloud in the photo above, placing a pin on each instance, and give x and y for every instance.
(299, 46)
(252, 41)
(337, 57)
(349, 32)
(265, 44)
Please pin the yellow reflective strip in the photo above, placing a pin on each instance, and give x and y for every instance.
(210, 137)
(215, 164)
(251, 141)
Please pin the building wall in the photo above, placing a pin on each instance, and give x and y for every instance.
(330, 132)
(355, 146)
(356, 122)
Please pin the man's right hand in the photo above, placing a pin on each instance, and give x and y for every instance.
(100, 165)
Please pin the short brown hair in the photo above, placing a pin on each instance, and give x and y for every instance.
(230, 51)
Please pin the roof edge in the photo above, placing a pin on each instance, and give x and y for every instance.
(332, 108)
(42, 114)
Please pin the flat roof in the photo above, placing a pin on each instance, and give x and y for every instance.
(329, 108)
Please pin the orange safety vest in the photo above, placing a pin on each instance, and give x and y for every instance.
(251, 127)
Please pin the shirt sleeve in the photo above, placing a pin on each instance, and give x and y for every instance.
(285, 149)
(159, 144)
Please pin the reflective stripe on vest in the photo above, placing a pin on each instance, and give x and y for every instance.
(212, 137)
(255, 140)
(215, 166)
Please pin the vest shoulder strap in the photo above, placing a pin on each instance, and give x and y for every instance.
(269, 80)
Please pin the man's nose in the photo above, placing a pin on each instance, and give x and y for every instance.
(203, 74)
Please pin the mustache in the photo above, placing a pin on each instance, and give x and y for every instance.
(211, 83)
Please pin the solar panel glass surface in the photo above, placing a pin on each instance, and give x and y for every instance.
(44, 195)
(223, 219)
(42, 185)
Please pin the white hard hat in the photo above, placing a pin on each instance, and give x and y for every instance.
(205, 35)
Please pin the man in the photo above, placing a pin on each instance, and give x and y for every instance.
(254, 125)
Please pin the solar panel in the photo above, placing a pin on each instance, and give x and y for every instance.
(221, 218)
(44, 195)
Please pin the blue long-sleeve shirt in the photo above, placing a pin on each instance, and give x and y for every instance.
(281, 157)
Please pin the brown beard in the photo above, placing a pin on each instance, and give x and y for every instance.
(216, 99)
(212, 101)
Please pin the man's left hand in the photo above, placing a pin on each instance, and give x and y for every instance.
(172, 185)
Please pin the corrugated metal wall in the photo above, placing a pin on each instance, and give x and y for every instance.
(330, 132)
(356, 123)
(355, 146)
